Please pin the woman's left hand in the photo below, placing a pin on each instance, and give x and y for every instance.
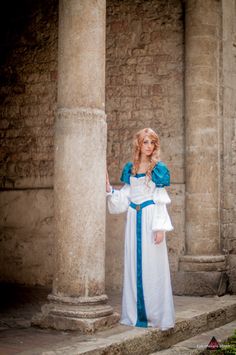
(108, 186)
(159, 236)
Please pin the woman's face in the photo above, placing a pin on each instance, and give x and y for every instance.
(147, 146)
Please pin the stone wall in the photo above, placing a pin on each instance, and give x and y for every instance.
(228, 151)
(144, 88)
(26, 240)
(28, 72)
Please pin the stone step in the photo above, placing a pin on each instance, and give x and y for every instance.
(198, 343)
(194, 315)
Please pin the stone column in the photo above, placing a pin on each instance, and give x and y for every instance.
(78, 299)
(203, 260)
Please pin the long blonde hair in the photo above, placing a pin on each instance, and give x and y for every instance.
(137, 144)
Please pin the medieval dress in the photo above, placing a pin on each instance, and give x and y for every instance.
(147, 292)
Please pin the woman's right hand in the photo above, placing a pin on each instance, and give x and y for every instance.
(108, 186)
(159, 236)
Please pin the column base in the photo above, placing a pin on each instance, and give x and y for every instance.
(86, 317)
(202, 263)
(201, 275)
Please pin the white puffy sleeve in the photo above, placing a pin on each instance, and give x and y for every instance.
(161, 219)
(118, 200)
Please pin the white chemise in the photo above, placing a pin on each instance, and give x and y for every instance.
(156, 281)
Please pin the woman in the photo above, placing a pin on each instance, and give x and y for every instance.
(147, 292)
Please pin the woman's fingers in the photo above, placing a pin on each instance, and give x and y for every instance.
(159, 236)
(107, 177)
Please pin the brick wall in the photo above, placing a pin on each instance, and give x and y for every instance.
(28, 72)
(144, 81)
(144, 87)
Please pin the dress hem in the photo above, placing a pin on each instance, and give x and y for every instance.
(148, 326)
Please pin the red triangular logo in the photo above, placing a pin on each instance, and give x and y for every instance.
(213, 344)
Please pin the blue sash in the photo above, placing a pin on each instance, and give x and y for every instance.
(141, 311)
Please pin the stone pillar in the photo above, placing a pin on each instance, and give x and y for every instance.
(203, 260)
(78, 299)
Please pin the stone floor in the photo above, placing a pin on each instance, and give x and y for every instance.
(18, 304)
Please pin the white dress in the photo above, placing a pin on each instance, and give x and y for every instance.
(147, 293)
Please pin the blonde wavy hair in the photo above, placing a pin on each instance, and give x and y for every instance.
(137, 144)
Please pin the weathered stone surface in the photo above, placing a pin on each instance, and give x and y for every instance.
(197, 344)
(144, 87)
(85, 58)
(228, 148)
(28, 70)
(27, 238)
(232, 272)
(79, 175)
(192, 314)
(84, 325)
(203, 147)
(195, 315)
(202, 263)
(199, 283)
(144, 79)
(79, 203)
(86, 321)
(202, 143)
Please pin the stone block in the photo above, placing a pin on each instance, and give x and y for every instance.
(65, 321)
(199, 283)
(27, 236)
